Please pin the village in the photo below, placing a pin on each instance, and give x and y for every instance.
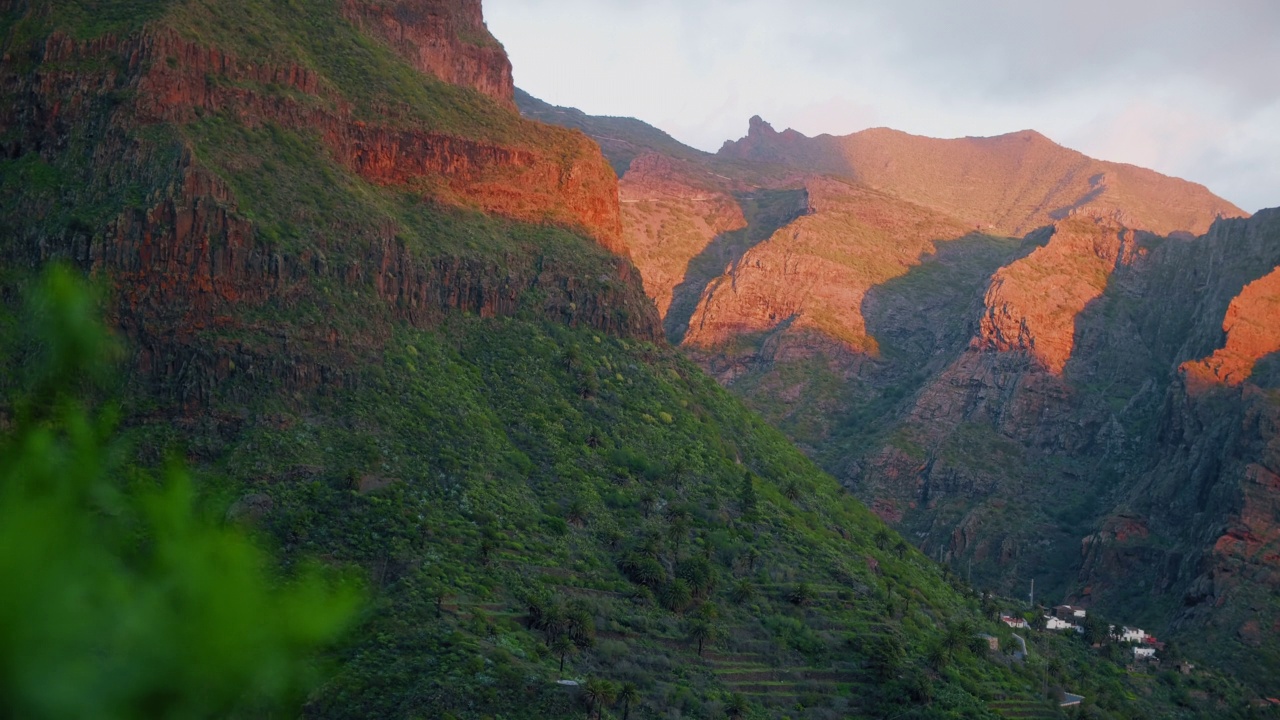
(1068, 618)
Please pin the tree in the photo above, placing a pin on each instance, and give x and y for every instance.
(901, 548)
(938, 655)
(920, 686)
(697, 571)
(676, 595)
(801, 594)
(648, 500)
(742, 592)
(1096, 630)
(958, 636)
(115, 596)
(575, 512)
(628, 694)
(679, 521)
(438, 590)
(701, 631)
(748, 499)
(599, 693)
(791, 490)
(643, 570)
(572, 357)
(736, 707)
(554, 620)
(580, 624)
(563, 646)
(886, 655)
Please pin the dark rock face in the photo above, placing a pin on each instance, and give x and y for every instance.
(1131, 449)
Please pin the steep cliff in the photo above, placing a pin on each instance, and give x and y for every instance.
(444, 38)
(392, 326)
(1113, 462)
(218, 176)
(1090, 406)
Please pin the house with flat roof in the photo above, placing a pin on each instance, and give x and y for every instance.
(1070, 612)
(1054, 623)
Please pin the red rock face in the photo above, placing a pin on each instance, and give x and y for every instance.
(1252, 328)
(577, 189)
(186, 259)
(813, 274)
(669, 218)
(1032, 304)
(1010, 184)
(444, 38)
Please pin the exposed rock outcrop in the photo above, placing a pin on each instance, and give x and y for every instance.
(117, 122)
(1033, 303)
(1252, 328)
(444, 38)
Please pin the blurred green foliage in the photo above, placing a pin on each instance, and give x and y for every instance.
(117, 600)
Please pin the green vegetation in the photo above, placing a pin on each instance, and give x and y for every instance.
(117, 598)
(528, 498)
(515, 531)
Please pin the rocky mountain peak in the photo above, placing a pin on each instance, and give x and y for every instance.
(759, 126)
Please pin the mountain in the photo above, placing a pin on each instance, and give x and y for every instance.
(1010, 184)
(1036, 365)
(397, 330)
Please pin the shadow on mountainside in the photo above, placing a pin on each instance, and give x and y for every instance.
(766, 211)
(921, 321)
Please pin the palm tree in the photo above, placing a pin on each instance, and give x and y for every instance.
(957, 636)
(791, 490)
(735, 708)
(801, 594)
(576, 512)
(563, 646)
(599, 693)
(628, 694)
(581, 626)
(680, 521)
(701, 631)
(676, 595)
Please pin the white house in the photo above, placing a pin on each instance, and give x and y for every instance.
(1136, 635)
(1142, 653)
(1053, 623)
(1014, 622)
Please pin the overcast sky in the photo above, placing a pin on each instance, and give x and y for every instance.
(1187, 87)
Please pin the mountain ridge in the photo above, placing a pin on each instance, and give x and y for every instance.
(980, 377)
(384, 320)
(901, 163)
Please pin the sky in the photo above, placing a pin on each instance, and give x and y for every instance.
(1190, 88)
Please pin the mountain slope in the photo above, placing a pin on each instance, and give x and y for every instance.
(1010, 184)
(1010, 404)
(391, 326)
